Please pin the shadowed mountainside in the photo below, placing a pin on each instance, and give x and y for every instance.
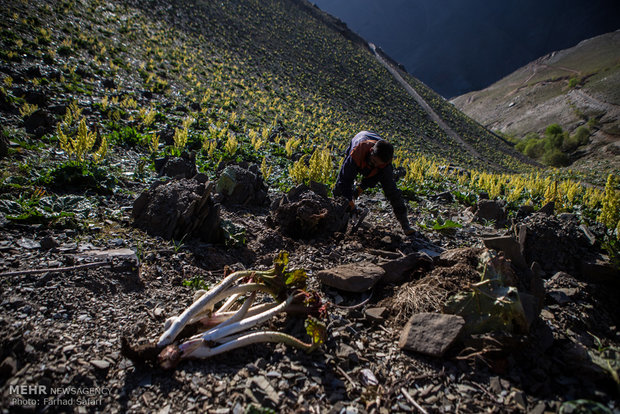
(572, 87)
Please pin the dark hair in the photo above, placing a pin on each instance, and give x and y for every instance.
(384, 150)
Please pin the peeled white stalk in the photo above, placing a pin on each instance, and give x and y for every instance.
(244, 324)
(201, 350)
(240, 314)
(217, 319)
(177, 325)
(226, 306)
(234, 291)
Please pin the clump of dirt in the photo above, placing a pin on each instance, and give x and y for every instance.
(177, 167)
(242, 185)
(306, 213)
(558, 244)
(176, 208)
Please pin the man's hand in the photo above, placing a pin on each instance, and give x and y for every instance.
(358, 192)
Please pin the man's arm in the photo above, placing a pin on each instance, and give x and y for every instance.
(394, 195)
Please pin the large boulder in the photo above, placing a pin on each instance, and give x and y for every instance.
(306, 213)
(178, 208)
(177, 167)
(39, 123)
(491, 210)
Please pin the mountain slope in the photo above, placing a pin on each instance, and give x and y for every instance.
(278, 62)
(314, 52)
(174, 87)
(572, 87)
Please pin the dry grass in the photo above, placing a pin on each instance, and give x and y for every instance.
(424, 295)
(430, 293)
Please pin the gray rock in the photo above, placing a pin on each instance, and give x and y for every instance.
(396, 271)
(495, 385)
(539, 408)
(110, 254)
(347, 352)
(376, 314)
(28, 244)
(431, 333)
(368, 378)
(562, 296)
(354, 277)
(510, 247)
(48, 242)
(100, 364)
(588, 233)
(263, 391)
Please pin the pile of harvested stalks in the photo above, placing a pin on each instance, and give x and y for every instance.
(228, 328)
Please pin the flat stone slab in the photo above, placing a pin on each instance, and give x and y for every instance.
(511, 248)
(354, 277)
(431, 333)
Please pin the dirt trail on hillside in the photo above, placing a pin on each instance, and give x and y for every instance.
(434, 116)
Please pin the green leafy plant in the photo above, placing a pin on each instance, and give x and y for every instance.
(26, 110)
(196, 283)
(254, 409)
(234, 235)
(127, 137)
(82, 176)
(583, 407)
(491, 305)
(439, 224)
(79, 145)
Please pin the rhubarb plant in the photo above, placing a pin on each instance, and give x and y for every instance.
(228, 328)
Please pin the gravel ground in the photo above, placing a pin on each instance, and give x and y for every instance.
(61, 330)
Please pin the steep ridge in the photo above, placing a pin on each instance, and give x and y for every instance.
(442, 124)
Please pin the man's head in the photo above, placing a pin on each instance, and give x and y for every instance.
(381, 154)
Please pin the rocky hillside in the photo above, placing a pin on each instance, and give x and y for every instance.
(572, 87)
(169, 243)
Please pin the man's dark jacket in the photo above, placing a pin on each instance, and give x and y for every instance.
(356, 162)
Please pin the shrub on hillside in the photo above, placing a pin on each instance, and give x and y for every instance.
(555, 158)
(579, 138)
(553, 149)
